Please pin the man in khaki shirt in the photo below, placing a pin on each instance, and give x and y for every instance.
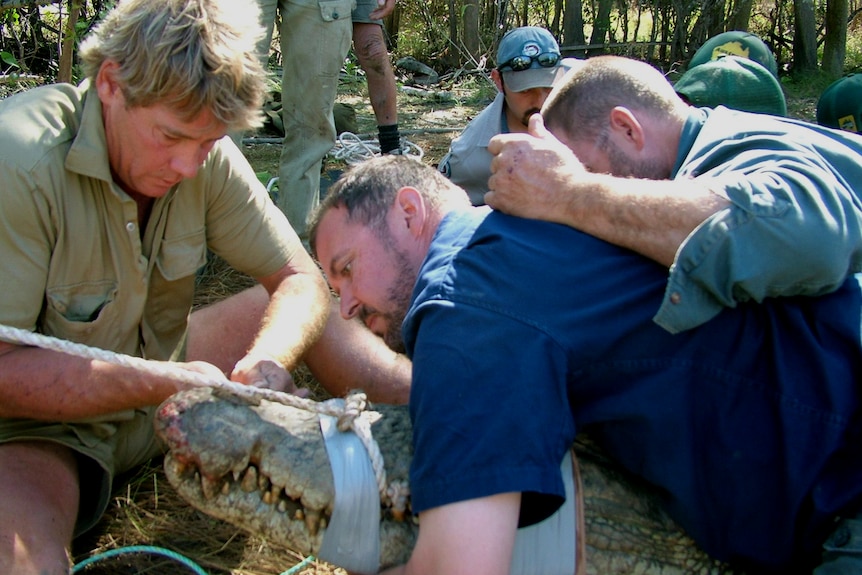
(112, 192)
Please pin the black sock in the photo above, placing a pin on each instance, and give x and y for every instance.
(389, 138)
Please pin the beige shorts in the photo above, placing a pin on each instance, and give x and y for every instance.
(105, 447)
(363, 9)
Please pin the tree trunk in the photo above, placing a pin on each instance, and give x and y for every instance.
(64, 73)
(471, 30)
(740, 15)
(453, 25)
(601, 26)
(557, 17)
(573, 27)
(835, 39)
(804, 36)
(392, 26)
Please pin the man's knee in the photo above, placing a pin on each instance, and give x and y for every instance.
(221, 333)
(370, 47)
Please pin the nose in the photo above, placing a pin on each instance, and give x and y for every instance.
(187, 160)
(349, 305)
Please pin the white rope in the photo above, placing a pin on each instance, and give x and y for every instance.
(352, 149)
(350, 416)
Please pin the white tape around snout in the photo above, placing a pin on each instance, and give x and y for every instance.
(352, 538)
(548, 547)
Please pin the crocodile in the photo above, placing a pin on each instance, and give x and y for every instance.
(263, 467)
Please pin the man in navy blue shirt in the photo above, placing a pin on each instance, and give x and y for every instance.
(524, 333)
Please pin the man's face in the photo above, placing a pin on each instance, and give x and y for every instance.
(603, 155)
(525, 104)
(153, 148)
(371, 274)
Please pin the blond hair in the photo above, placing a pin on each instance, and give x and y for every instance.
(194, 55)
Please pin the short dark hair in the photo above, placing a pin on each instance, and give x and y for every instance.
(368, 190)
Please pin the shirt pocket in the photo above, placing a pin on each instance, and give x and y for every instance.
(332, 10)
(182, 256)
(81, 302)
(77, 310)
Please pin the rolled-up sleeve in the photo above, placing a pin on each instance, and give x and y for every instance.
(793, 228)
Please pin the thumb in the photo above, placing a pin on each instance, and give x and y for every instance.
(536, 127)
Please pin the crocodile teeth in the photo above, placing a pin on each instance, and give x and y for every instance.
(249, 480)
(282, 506)
(312, 521)
(210, 487)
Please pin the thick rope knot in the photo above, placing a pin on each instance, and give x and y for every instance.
(354, 404)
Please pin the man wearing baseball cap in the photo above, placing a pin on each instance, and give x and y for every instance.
(529, 63)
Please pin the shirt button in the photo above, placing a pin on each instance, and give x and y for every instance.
(130, 226)
(335, 15)
(675, 298)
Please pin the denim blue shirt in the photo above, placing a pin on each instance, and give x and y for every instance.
(795, 223)
(524, 333)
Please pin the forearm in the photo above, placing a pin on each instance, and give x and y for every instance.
(294, 319)
(651, 217)
(348, 356)
(48, 385)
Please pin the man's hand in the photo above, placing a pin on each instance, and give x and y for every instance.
(384, 8)
(532, 174)
(266, 372)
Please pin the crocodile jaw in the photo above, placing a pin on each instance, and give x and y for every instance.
(263, 468)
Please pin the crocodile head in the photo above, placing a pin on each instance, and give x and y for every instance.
(264, 468)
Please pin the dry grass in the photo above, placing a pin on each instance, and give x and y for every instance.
(146, 511)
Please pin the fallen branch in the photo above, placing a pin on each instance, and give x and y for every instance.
(15, 78)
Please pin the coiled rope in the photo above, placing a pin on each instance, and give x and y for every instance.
(352, 149)
(349, 413)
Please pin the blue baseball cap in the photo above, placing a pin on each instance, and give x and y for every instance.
(529, 57)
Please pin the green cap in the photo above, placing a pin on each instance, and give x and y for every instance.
(736, 43)
(738, 83)
(840, 105)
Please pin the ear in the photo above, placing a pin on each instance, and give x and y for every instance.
(497, 78)
(627, 127)
(410, 212)
(107, 85)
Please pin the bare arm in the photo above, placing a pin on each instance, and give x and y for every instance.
(349, 356)
(536, 176)
(473, 537)
(48, 385)
(293, 321)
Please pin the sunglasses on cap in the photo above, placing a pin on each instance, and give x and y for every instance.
(521, 63)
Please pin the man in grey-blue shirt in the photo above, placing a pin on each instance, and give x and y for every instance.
(528, 64)
(738, 206)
